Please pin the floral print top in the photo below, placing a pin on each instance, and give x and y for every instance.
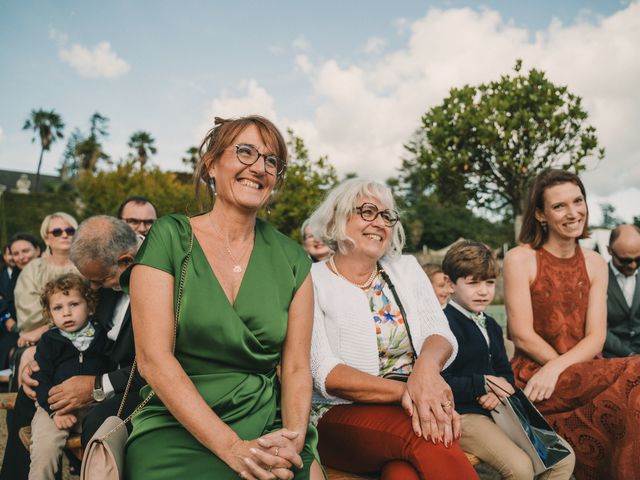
(395, 352)
(394, 347)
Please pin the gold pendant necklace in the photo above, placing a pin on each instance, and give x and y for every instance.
(364, 285)
(237, 268)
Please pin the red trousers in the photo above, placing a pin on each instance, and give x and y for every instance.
(362, 438)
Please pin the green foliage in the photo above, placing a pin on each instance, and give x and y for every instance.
(83, 153)
(48, 127)
(102, 193)
(435, 224)
(609, 217)
(306, 184)
(143, 146)
(192, 158)
(484, 144)
(636, 220)
(24, 213)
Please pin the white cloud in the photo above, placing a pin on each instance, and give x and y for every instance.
(250, 98)
(301, 44)
(374, 45)
(60, 38)
(101, 61)
(303, 63)
(401, 25)
(366, 111)
(1, 133)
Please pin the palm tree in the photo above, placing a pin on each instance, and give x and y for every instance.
(48, 126)
(143, 145)
(90, 151)
(192, 158)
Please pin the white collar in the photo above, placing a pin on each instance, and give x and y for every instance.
(460, 308)
(618, 273)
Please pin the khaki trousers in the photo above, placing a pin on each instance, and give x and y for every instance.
(482, 437)
(47, 444)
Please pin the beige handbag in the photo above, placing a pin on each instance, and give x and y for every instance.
(104, 455)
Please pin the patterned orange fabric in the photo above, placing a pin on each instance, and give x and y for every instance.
(596, 404)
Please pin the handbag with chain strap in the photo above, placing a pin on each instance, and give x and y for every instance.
(104, 455)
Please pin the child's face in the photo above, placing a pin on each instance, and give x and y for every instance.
(442, 287)
(472, 294)
(70, 312)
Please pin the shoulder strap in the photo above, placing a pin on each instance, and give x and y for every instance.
(392, 287)
(183, 272)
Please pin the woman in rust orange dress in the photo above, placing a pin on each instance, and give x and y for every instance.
(555, 294)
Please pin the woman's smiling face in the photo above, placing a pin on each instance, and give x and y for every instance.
(370, 238)
(246, 186)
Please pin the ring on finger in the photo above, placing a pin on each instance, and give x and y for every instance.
(277, 451)
(447, 404)
(269, 469)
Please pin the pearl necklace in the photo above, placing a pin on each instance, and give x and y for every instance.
(364, 285)
(237, 268)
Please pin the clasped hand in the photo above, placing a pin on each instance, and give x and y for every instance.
(269, 457)
(428, 400)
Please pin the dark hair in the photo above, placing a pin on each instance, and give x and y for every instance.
(64, 283)
(532, 232)
(468, 258)
(221, 136)
(615, 233)
(26, 237)
(138, 200)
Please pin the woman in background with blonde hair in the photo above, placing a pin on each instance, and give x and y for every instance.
(57, 231)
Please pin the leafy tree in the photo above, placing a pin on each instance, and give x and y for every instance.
(143, 146)
(102, 193)
(192, 158)
(305, 185)
(636, 220)
(485, 144)
(609, 217)
(48, 126)
(83, 153)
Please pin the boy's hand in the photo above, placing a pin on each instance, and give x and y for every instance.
(489, 401)
(64, 422)
(501, 383)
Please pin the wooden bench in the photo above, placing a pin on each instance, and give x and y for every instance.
(73, 443)
(8, 402)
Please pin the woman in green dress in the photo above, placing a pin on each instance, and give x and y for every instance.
(246, 307)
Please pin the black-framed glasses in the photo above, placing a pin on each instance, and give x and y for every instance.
(57, 232)
(369, 212)
(134, 222)
(248, 155)
(624, 260)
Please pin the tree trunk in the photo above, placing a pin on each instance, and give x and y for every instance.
(517, 226)
(35, 189)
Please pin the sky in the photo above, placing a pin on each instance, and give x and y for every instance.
(352, 78)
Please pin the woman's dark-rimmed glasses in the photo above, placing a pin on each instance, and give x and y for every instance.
(369, 212)
(248, 155)
(57, 232)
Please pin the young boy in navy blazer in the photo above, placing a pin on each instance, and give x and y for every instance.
(473, 268)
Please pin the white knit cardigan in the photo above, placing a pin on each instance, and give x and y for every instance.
(343, 327)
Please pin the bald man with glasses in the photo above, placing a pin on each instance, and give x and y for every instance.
(623, 294)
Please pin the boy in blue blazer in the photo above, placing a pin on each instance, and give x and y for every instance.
(473, 268)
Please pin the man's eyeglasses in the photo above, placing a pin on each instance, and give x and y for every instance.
(134, 222)
(369, 212)
(248, 155)
(624, 260)
(57, 232)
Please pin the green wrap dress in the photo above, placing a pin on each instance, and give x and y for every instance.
(230, 352)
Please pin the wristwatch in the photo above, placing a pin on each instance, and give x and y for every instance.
(98, 393)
